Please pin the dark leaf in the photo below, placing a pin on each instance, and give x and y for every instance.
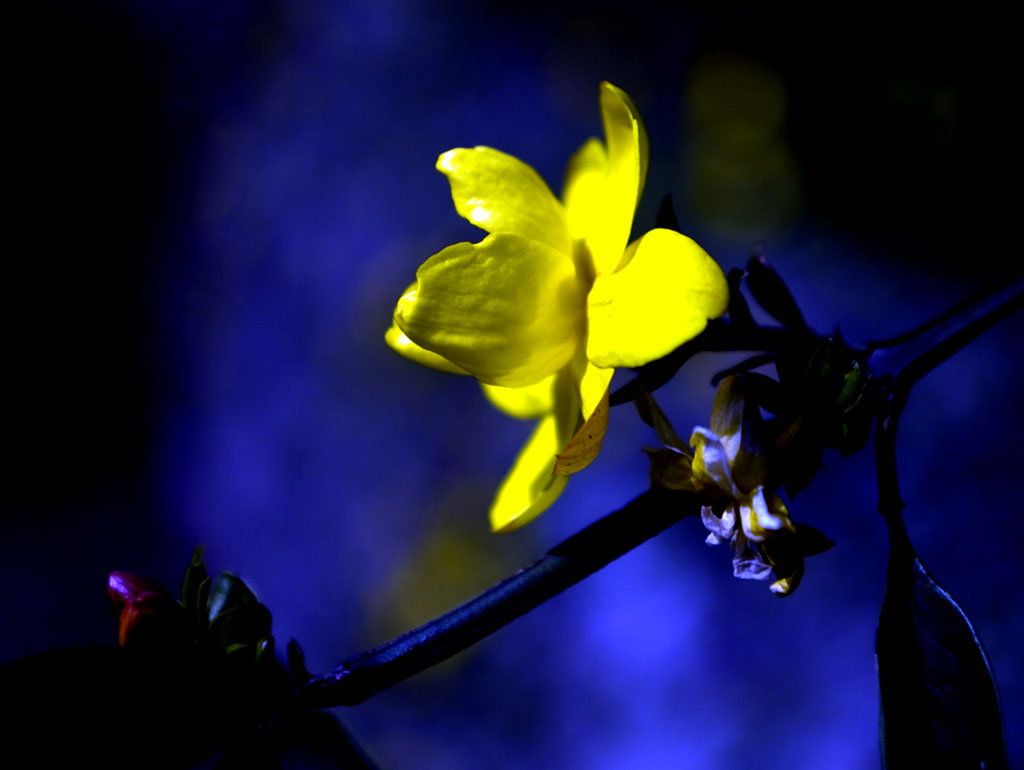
(228, 592)
(672, 470)
(265, 650)
(195, 592)
(194, 577)
(940, 708)
(825, 376)
(799, 453)
(851, 389)
(856, 430)
(772, 293)
(811, 541)
(243, 625)
(651, 414)
(739, 310)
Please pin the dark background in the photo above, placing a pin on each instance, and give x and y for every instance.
(213, 209)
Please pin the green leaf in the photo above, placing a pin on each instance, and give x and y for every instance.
(228, 592)
(194, 577)
(940, 708)
(850, 390)
(265, 651)
(245, 624)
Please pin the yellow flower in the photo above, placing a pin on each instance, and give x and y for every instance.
(729, 456)
(544, 308)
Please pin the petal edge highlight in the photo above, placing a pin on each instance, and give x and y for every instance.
(497, 192)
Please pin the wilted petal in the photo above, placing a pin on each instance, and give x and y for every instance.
(530, 487)
(727, 410)
(500, 193)
(761, 520)
(530, 402)
(507, 310)
(711, 460)
(662, 296)
(585, 444)
(720, 528)
(748, 563)
(739, 418)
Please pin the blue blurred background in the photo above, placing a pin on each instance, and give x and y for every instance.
(214, 209)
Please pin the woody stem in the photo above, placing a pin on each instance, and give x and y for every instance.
(362, 676)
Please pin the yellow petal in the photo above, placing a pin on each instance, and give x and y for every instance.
(404, 346)
(627, 145)
(593, 383)
(508, 310)
(500, 193)
(663, 296)
(603, 183)
(587, 206)
(409, 349)
(530, 486)
(530, 402)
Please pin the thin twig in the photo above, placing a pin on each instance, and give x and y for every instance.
(920, 351)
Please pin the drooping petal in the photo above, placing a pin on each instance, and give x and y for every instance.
(508, 310)
(660, 298)
(530, 487)
(499, 193)
(409, 349)
(530, 402)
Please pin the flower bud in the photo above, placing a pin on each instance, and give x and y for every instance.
(125, 587)
(148, 615)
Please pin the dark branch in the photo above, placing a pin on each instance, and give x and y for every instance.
(720, 336)
(909, 357)
(363, 676)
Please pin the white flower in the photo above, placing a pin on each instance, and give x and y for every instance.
(729, 456)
